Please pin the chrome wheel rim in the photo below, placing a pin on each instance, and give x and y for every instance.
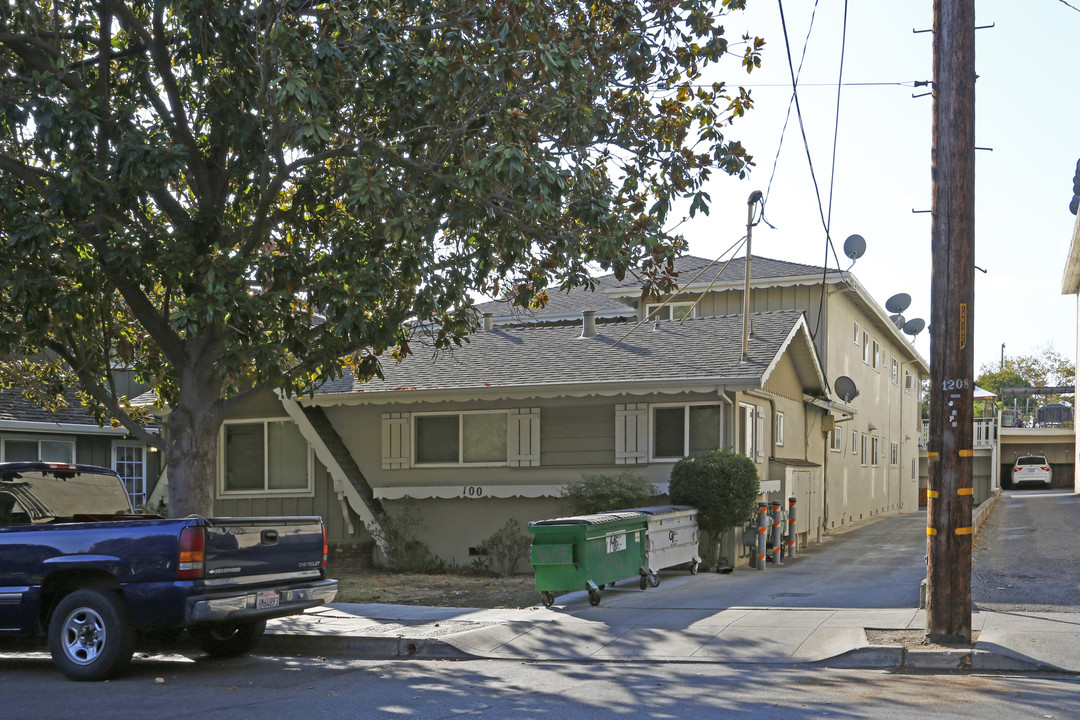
(83, 636)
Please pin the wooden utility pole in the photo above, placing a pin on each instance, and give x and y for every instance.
(952, 289)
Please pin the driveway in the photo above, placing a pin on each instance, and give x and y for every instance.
(1027, 557)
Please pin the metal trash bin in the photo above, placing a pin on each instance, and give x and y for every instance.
(586, 552)
(672, 538)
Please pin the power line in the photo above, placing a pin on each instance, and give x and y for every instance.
(798, 114)
(787, 115)
(832, 174)
(1069, 6)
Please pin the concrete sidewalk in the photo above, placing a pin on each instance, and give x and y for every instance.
(817, 609)
(826, 636)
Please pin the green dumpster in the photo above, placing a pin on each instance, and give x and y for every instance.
(586, 552)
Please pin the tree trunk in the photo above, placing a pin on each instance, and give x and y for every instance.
(192, 443)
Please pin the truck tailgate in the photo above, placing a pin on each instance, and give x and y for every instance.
(263, 549)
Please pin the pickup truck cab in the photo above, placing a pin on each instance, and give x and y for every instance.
(78, 567)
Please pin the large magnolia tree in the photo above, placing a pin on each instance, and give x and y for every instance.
(227, 196)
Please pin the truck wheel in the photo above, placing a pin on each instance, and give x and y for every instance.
(227, 639)
(89, 635)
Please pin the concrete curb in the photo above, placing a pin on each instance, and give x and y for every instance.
(363, 647)
(870, 657)
(898, 657)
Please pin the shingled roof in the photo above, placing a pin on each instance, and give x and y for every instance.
(570, 303)
(761, 268)
(15, 408)
(702, 349)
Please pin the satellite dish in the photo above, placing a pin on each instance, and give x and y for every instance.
(854, 247)
(845, 388)
(898, 303)
(898, 320)
(914, 326)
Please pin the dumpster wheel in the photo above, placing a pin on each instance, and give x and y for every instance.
(643, 582)
(594, 598)
(548, 598)
(654, 580)
(694, 566)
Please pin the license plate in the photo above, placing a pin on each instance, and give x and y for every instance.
(267, 599)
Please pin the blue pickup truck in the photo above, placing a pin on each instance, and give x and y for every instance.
(77, 566)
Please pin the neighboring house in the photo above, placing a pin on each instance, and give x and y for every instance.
(495, 429)
(1070, 285)
(71, 435)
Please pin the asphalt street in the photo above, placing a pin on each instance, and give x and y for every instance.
(168, 687)
(1027, 556)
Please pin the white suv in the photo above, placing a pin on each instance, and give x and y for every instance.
(1031, 469)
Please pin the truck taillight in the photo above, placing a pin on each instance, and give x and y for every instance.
(325, 547)
(192, 557)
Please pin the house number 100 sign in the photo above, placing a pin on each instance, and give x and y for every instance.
(472, 491)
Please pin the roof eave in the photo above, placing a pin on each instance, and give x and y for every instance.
(1070, 281)
(790, 281)
(610, 388)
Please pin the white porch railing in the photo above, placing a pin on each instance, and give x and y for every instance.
(984, 435)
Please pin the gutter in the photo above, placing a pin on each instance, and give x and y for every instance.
(524, 391)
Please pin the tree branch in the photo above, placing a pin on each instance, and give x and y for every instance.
(89, 382)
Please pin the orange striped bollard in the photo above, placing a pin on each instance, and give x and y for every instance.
(777, 531)
(762, 534)
(792, 534)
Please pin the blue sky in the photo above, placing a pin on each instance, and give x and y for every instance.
(1027, 110)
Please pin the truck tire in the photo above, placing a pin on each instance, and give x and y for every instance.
(90, 637)
(228, 639)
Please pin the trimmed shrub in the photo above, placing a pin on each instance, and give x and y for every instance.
(596, 493)
(507, 547)
(722, 485)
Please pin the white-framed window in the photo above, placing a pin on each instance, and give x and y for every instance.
(261, 457)
(15, 448)
(671, 311)
(878, 356)
(686, 429)
(866, 348)
(779, 429)
(894, 375)
(750, 432)
(855, 339)
(875, 450)
(854, 442)
(836, 441)
(909, 381)
(894, 453)
(864, 448)
(461, 438)
(129, 462)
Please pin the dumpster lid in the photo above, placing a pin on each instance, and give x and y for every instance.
(663, 509)
(598, 519)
